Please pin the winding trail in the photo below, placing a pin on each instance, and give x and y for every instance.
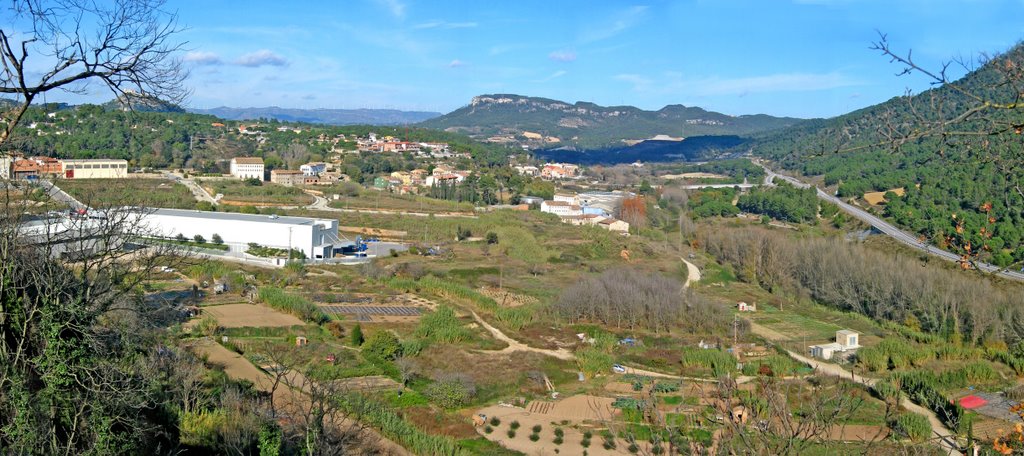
(692, 276)
(945, 437)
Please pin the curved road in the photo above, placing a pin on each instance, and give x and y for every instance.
(890, 230)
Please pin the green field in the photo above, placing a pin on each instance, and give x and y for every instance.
(129, 192)
(265, 194)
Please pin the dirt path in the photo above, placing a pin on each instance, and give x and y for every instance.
(946, 437)
(692, 273)
(514, 345)
(237, 367)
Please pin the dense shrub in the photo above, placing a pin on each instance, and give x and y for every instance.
(442, 325)
(453, 390)
(719, 362)
(383, 345)
(913, 426)
(293, 304)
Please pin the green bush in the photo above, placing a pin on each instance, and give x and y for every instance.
(202, 429)
(488, 429)
(495, 421)
(442, 326)
(452, 391)
(534, 437)
(383, 345)
(537, 428)
(356, 336)
(293, 304)
(913, 426)
(514, 425)
(511, 433)
(719, 362)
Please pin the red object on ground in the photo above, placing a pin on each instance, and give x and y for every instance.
(972, 402)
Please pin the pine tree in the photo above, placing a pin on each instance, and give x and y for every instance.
(357, 335)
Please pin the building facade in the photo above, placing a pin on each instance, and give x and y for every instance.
(287, 177)
(313, 169)
(94, 169)
(247, 167)
(316, 238)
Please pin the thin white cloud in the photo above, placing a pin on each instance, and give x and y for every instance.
(395, 7)
(562, 56)
(202, 58)
(260, 58)
(640, 83)
(622, 21)
(457, 64)
(782, 82)
(676, 84)
(554, 75)
(445, 25)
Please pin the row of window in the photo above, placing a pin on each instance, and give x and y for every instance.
(97, 166)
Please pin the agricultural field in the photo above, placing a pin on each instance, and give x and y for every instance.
(129, 192)
(367, 199)
(243, 193)
(429, 341)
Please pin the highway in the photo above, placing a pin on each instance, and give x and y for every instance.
(888, 229)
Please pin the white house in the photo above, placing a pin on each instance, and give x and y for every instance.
(313, 169)
(744, 307)
(615, 225)
(846, 341)
(560, 208)
(247, 167)
(567, 197)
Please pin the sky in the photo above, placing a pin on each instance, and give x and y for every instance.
(800, 58)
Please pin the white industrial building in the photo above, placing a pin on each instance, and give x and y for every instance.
(318, 238)
(100, 168)
(247, 167)
(560, 208)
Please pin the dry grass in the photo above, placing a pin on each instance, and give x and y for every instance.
(876, 198)
(242, 315)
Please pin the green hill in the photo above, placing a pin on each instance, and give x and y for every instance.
(589, 126)
(944, 175)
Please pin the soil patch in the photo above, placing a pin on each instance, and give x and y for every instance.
(242, 315)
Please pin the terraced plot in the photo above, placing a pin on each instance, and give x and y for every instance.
(367, 313)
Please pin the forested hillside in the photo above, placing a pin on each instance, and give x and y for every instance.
(590, 126)
(958, 183)
(151, 139)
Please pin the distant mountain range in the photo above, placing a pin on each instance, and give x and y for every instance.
(322, 116)
(554, 123)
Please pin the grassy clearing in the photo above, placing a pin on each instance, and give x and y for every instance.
(373, 200)
(129, 192)
(266, 193)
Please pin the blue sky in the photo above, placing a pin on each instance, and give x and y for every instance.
(803, 58)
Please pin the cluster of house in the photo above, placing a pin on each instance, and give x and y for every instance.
(593, 208)
(390, 144)
(16, 166)
(314, 173)
(550, 170)
(406, 182)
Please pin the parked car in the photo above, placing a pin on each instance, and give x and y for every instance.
(618, 369)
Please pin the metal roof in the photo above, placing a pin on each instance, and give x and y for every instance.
(253, 218)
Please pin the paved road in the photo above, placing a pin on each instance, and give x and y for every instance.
(197, 190)
(910, 240)
(59, 195)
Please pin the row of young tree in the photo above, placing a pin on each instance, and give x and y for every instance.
(784, 202)
(849, 277)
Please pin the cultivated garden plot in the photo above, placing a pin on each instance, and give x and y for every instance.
(250, 315)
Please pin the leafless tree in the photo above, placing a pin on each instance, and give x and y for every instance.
(127, 45)
(71, 321)
(314, 417)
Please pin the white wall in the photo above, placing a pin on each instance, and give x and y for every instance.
(261, 229)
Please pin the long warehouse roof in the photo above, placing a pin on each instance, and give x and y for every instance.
(207, 215)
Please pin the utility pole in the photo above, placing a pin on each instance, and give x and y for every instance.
(289, 244)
